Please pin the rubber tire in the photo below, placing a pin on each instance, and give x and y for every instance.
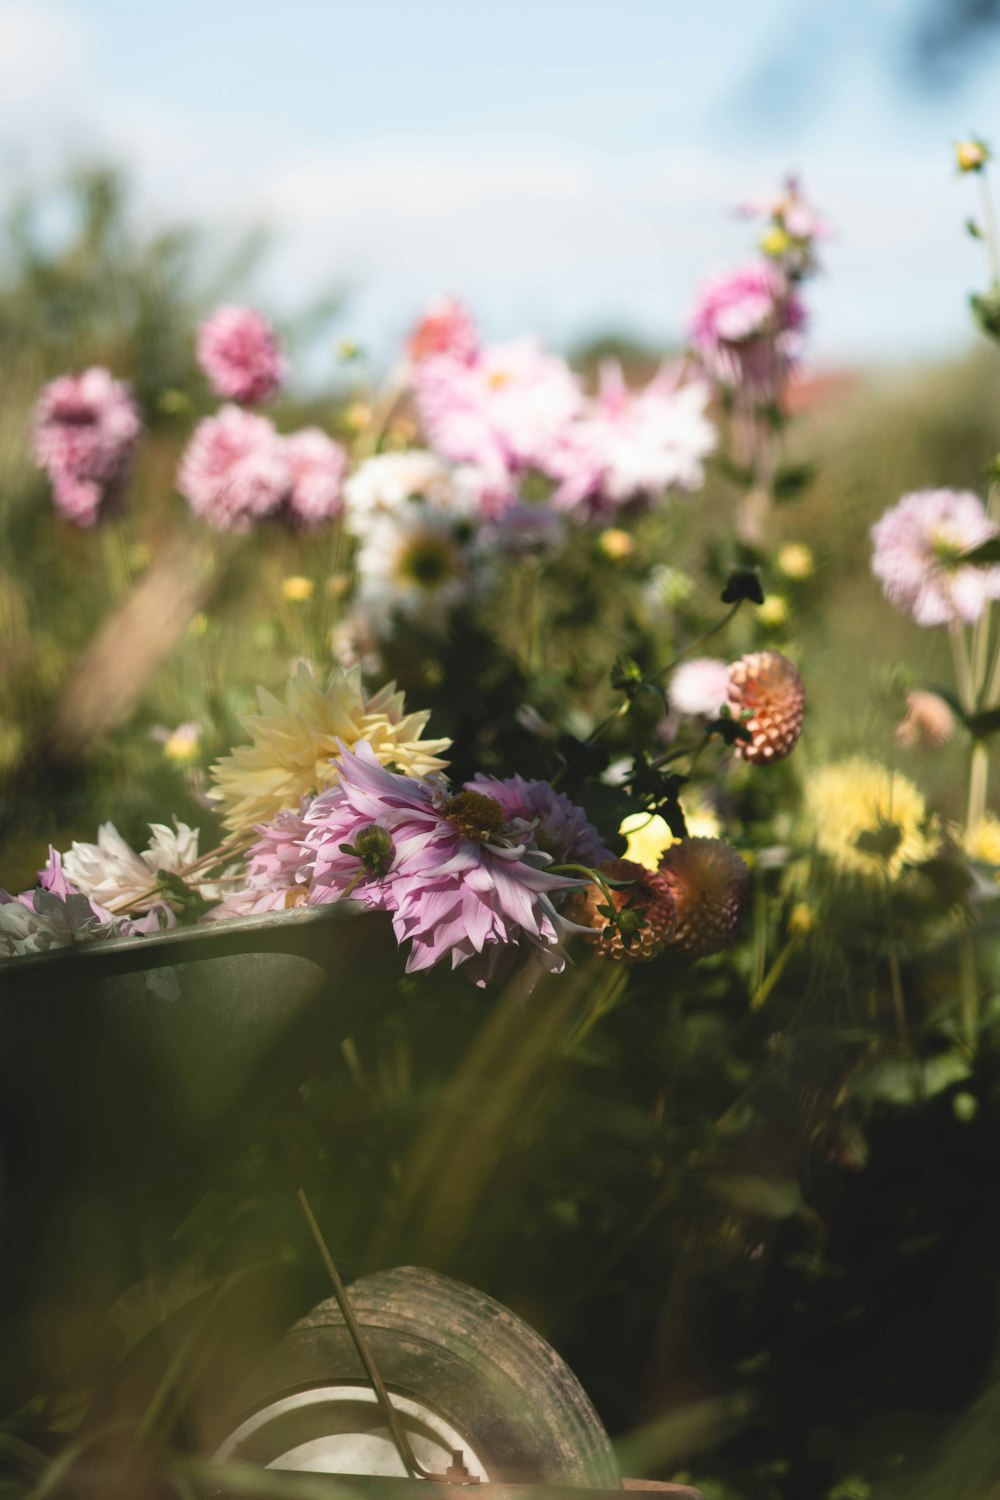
(462, 1354)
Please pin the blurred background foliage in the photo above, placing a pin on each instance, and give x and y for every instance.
(759, 1222)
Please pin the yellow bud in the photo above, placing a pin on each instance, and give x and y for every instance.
(971, 155)
(348, 349)
(796, 561)
(774, 611)
(776, 242)
(358, 415)
(183, 744)
(297, 589)
(616, 544)
(198, 624)
(801, 919)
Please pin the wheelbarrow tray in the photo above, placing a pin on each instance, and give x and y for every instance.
(130, 1070)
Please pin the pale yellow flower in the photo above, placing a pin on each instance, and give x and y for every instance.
(983, 841)
(869, 821)
(971, 155)
(297, 589)
(615, 543)
(294, 743)
(796, 561)
(649, 836)
(774, 611)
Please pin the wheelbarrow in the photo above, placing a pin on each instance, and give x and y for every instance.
(130, 1072)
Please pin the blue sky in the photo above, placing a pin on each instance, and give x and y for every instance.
(568, 168)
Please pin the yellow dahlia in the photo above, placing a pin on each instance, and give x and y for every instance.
(983, 841)
(868, 820)
(294, 743)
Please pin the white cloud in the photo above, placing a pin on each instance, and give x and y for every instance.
(42, 52)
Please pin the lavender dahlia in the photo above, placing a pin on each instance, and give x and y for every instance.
(238, 351)
(85, 430)
(458, 878)
(559, 827)
(918, 558)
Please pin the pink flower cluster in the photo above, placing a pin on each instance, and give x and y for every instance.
(445, 328)
(238, 351)
(237, 468)
(507, 409)
(462, 874)
(630, 447)
(85, 431)
(745, 328)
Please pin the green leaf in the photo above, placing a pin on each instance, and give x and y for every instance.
(792, 480)
(983, 724)
(770, 1197)
(985, 555)
(902, 1081)
(986, 311)
(973, 229)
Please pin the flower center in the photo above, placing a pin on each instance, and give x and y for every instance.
(946, 550)
(475, 815)
(428, 562)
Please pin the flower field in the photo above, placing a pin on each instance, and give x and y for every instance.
(643, 708)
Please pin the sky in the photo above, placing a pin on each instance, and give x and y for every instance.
(567, 168)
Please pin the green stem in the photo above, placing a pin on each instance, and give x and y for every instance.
(699, 640)
(963, 668)
(970, 989)
(979, 770)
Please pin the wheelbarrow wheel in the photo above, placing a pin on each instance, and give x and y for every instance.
(463, 1371)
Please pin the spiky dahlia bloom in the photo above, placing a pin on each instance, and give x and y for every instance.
(632, 447)
(317, 466)
(768, 687)
(278, 870)
(745, 327)
(504, 411)
(112, 873)
(919, 545)
(559, 828)
(53, 915)
(445, 328)
(85, 429)
(867, 820)
(295, 744)
(648, 897)
(238, 351)
(458, 878)
(234, 470)
(709, 883)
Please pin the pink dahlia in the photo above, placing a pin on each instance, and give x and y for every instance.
(234, 470)
(238, 351)
(318, 466)
(745, 327)
(919, 547)
(85, 430)
(278, 870)
(452, 870)
(559, 828)
(505, 410)
(633, 447)
(445, 328)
